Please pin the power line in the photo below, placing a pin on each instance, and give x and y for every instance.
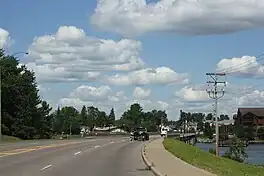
(248, 62)
(241, 70)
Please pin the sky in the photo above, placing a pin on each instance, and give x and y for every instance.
(153, 52)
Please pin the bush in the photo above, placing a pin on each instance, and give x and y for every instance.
(212, 151)
(236, 151)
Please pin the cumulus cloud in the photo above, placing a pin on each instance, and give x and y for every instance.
(197, 100)
(89, 93)
(190, 94)
(140, 93)
(5, 39)
(135, 17)
(160, 75)
(72, 55)
(244, 66)
(102, 94)
(194, 98)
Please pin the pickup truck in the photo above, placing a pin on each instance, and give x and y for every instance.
(139, 133)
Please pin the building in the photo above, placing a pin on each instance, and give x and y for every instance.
(250, 117)
(226, 127)
(253, 117)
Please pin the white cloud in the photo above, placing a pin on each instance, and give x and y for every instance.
(105, 98)
(189, 93)
(140, 93)
(160, 75)
(72, 55)
(255, 98)
(244, 66)
(89, 93)
(5, 39)
(134, 17)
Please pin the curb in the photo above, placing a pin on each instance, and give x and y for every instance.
(147, 162)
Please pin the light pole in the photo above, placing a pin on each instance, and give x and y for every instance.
(25, 53)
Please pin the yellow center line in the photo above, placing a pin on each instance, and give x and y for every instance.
(29, 149)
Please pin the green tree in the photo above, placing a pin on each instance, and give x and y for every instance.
(224, 117)
(236, 150)
(44, 126)
(208, 131)
(111, 117)
(101, 119)
(21, 115)
(92, 116)
(71, 121)
(209, 116)
(84, 116)
(260, 133)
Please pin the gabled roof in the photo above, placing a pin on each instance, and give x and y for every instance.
(255, 111)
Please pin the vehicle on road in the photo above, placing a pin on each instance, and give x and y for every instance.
(139, 133)
(164, 131)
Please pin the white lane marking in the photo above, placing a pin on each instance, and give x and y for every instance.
(77, 153)
(46, 167)
(123, 140)
(96, 146)
(112, 142)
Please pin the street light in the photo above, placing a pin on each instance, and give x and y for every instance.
(25, 53)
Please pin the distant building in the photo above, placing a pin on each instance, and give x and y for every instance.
(250, 117)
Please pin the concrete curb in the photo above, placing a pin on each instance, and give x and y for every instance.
(147, 162)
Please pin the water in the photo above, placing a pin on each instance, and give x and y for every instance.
(255, 152)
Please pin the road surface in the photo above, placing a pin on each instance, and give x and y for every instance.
(112, 156)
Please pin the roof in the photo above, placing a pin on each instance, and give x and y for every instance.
(227, 122)
(255, 111)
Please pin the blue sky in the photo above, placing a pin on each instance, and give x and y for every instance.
(175, 48)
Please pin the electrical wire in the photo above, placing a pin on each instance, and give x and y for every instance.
(246, 63)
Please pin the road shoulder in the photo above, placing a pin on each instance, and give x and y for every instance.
(163, 163)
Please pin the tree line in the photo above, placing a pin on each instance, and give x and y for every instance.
(201, 119)
(25, 115)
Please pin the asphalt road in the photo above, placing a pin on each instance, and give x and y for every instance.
(115, 156)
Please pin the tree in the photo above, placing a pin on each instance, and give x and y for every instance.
(236, 150)
(111, 117)
(223, 117)
(45, 124)
(84, 116)
(71, 122)
(92, 116)
(260, 133)
(208, 131)
(22, 113)
(209, 116)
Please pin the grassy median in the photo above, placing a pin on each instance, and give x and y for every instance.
(9, 138)
(217, 165)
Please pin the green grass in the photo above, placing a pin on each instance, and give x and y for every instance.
(204, 160)
(9, 138)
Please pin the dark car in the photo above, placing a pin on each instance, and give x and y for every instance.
(140, 133)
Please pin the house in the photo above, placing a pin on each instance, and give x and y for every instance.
(250, 117)
(189, 126)
(226, 126)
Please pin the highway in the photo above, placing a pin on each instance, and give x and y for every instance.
(111, 156)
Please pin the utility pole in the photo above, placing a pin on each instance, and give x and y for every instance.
(216, 94)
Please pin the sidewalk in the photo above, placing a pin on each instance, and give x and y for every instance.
(167, 164)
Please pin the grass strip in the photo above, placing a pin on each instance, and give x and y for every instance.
(207, 161)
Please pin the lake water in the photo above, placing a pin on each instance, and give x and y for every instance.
(255, 152)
